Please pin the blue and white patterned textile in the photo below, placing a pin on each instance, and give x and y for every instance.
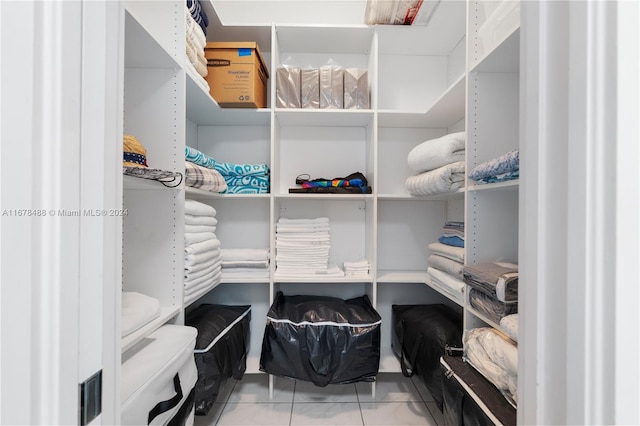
(507, 163)
(197, 157)
(232, 169)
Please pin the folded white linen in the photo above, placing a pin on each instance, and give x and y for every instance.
(196, 208)
(330, 271)
(451, 252)
(190, 51)
(193, 259)
(197, 267)
(434, 153)
(193, 275)
(237, 273)
(245, 254)
(229, 264)
(211, 281)
(197, 294)
(495, 357)
(201, 247)
(137, 310)
(200, 220)
(445, 179)
(449, 284)
(199, 228)
(509, 325)
(193, 29)
(286, 220)
(200, 280)
(198, 237)
(197, 76)
(446, 264)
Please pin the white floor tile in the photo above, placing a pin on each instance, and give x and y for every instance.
(424, 392)
(275, 413)
(308, 392)
(255, 388)
(396, 413)
(389, 387)
(326, 414)
(436, 413)
(212, 416)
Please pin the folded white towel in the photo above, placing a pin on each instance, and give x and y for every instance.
(245, 264)
(202, 247)
(199, 228)
(448, 283)
(434, 153)
(244, 273)
(211, 279)
(196, 208)
(445, 264)
(198, 237)
(285, 220)
(191, 275)
(194, 259)
(197, 75)
(200, 220)
(245, 254)
(196, 281)
(197, 267)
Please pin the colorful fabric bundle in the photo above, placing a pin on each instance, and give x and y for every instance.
(353, 183)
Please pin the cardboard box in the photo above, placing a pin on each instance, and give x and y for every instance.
(237, 75)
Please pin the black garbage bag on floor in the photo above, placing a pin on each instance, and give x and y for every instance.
(420, 335)
(221, 349)
(321, 339)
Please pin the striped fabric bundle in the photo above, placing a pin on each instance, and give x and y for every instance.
(203, 178)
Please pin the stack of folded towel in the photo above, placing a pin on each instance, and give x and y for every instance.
(196, 40)
(506, 167)
(302, 248)
(494, 288)
(446, 262)
(203, 257)
(358, 268)
(200, 172)
(245, 263)
(438, 165)
(245, 178)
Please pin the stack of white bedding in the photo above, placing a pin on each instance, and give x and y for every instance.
(195, 43)
(438, 165)
(302, 248)
(446, 264)
(203, 256)
(245, 263)
(359, 268)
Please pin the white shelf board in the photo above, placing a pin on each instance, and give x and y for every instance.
(441, 34)
(488, 321)
(324, 117)
(199, 194)
(511, 185)
(324, 38)
(325, 280)
(504, 58)
(459, 194)
(332, 197)
(248, 280)
(389, 362)
(387, 276)
(203, 110)
(132, 182)
(142, 50)
(166, 314)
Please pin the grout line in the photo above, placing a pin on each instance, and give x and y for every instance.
(293, 398)
(359, 404)
(224, 406)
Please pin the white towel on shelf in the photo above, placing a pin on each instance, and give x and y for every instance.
(235, 273)
(198, 281)
(200, 220)
(194, 259)
(198, 237)
(197, 76)
(451, 252)
(245, 254)
(199, 228)
(360, 267)
(197, 267)
(448, 283)
(245, 264)
(201, 247)
(210, 282)
(196, 208)
(137, 310)
(193, 275)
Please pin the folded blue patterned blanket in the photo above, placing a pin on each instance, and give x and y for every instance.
(246, 190)
(231, 169)
(507, 163)
(250, 181)
(197, 157)
(501, 178)
(452, 241)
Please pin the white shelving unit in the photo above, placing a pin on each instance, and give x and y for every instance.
(425, 81)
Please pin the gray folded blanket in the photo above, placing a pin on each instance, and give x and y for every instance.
(497, 279)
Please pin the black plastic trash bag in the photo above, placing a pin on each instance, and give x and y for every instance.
(420, 335)
(221, 349)
(324, 340)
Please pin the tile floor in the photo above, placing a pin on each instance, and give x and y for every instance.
(398, 401)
